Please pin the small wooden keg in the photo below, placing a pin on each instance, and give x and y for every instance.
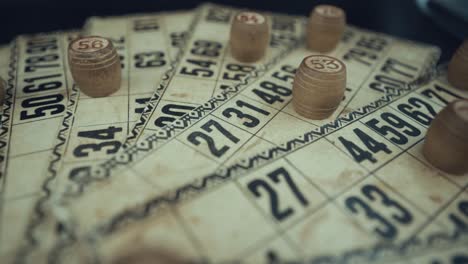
(319, 86)
(446, 144)
(325, 28)
(457, 74)
(249, 36)
(95, 65)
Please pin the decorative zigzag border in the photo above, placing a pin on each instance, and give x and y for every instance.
(170, 73)
(41, 207)
(165, 79)
(222, 175)
(143, 147)
(188, 191)
(8, 108)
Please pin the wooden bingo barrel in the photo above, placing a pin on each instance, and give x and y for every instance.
(249, 36)
(446, 145)
(2, 91)
(325, 28)
(457, 74)
(95, 65)
(319, 86)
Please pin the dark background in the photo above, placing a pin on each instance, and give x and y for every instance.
(396, 17)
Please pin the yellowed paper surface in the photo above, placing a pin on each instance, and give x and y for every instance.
(100, 126)
(356, 189)
(38, 90)
(383, 69)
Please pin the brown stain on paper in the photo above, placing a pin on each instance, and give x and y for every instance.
(180, 95)
(435, 198)
(149, 256)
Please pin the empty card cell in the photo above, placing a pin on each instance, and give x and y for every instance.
(16, 215)
(158, 236)
(142, 82)
(283, 194)
(24, 137)
(327, 167)
(225, 223)
(416, 181)
(284, 127)
(365, 146)
(328, 231)
(25, 174)
(173, 165)
(99, 111)
(383, 211)
(186, 90)
(245, 113)
(214, 138)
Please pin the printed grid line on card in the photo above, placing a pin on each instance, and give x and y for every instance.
(207, 67)
(159, 139)
(41, 92)
(166, 173)
(176, 149)
(64, 148)
(83, 132)
(374, 183)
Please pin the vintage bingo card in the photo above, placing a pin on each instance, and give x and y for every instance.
(142, 44)
(146, 45)
(259, 116)
(356, 190)
(234, 123)
(168, 172)
(85, 137)
(35, 102)
(207, 66)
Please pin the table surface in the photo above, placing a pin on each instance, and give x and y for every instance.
(396, 17)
